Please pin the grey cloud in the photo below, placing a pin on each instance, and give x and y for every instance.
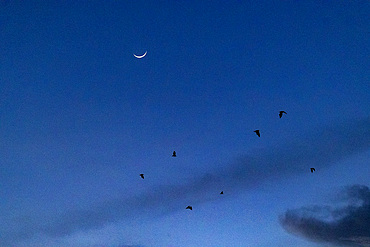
(346, 226)
(319, 149)
(360, 241)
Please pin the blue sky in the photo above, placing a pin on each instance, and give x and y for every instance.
(81, 118)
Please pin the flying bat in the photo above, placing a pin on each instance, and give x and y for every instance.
(281, 113)
(174, 154)
(142, 176)
(257, 132)
(312, 170)
(222, 192)
(189, 207)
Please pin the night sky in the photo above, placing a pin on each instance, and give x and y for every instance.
(81, 118)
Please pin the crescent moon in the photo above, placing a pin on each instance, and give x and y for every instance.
(141, 55)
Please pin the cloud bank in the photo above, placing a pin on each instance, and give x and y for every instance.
(346, 226)
(319, 149)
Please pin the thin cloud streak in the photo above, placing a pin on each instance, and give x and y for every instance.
(320, 149)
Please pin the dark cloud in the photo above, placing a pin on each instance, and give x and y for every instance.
(359, 241)
(347, 226)
(320, 149)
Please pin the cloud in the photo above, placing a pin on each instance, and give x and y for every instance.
(347, 226)
(360, 241)
(319, 149)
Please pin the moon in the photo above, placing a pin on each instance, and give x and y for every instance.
(141, 55)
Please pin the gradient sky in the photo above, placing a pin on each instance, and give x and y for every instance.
(81, 118)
